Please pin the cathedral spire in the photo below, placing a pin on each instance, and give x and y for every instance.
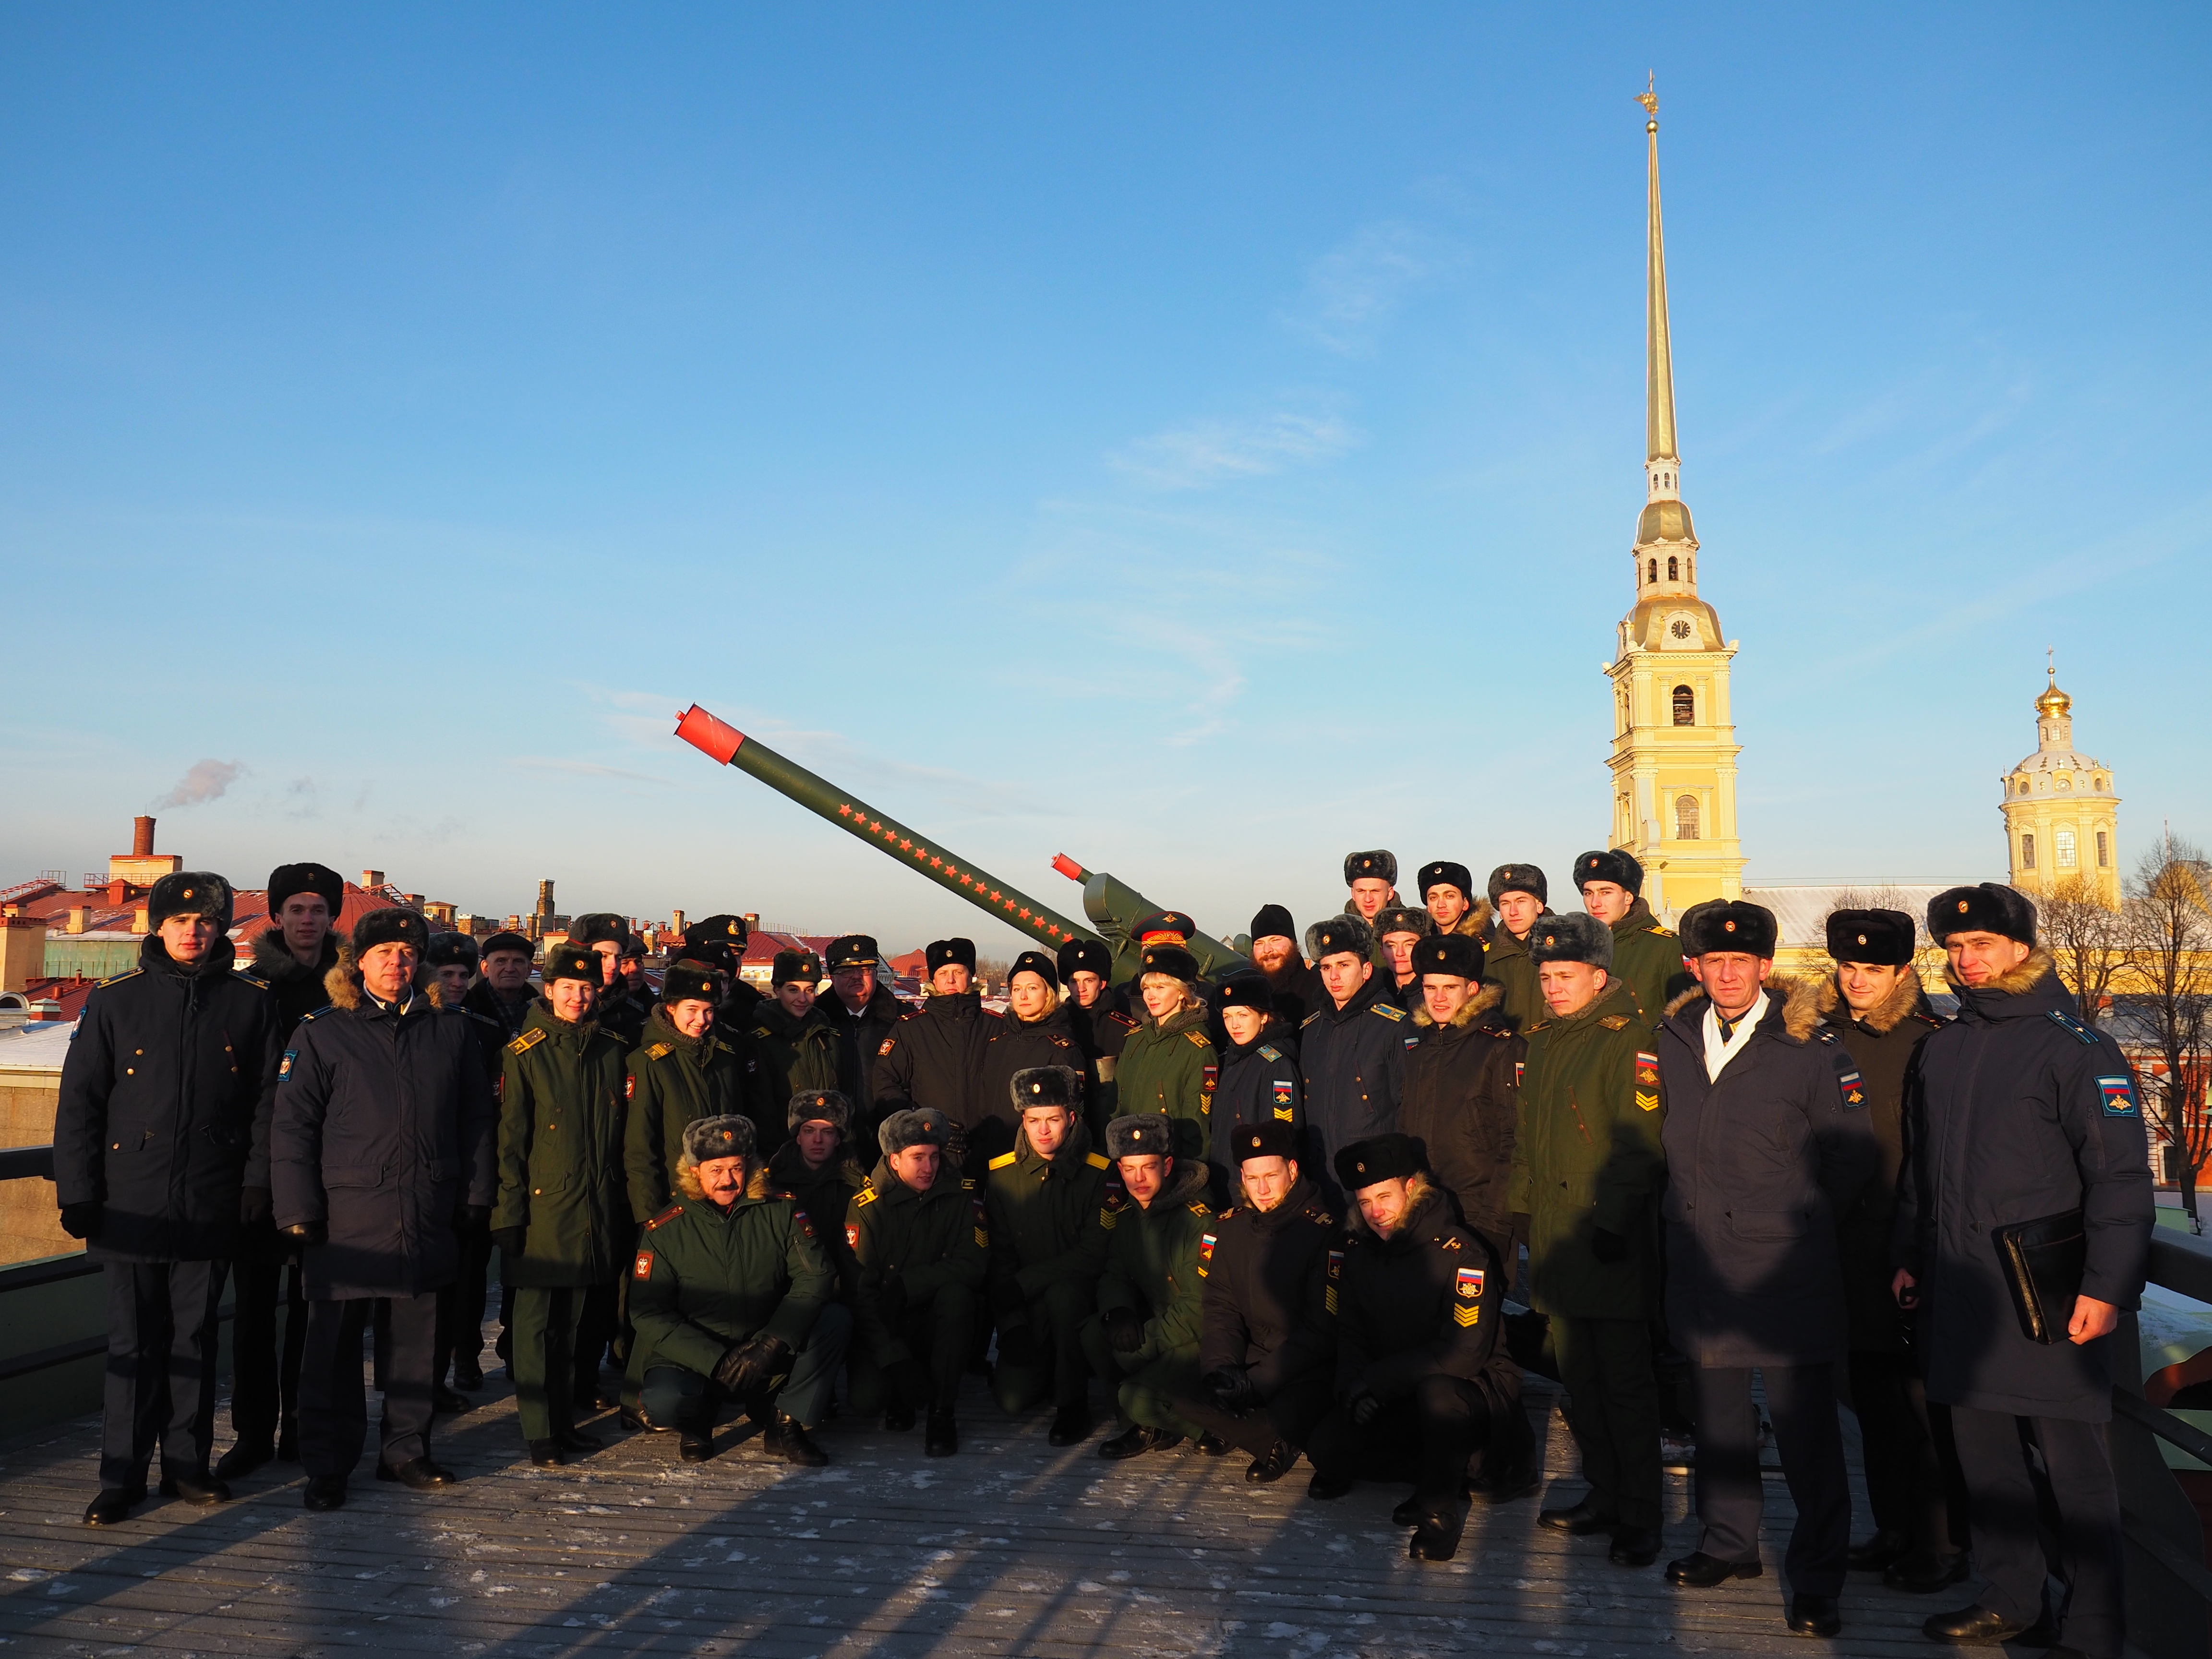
(1658, 347)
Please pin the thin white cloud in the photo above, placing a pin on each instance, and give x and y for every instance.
(205, 781)
(1353, 290)
(1212, 451)
(579, 768)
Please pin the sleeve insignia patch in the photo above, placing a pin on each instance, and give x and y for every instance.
(1108, 1217)
(852, 1235)
(1466, 1283)
(1212, 1077)
(2120, 1097)
(643, 1269)
(1519, 1070)
(1336, 1264)
(1097, 1160)
(1854, 1088)
(1004, 1161)
(1284, 1088)
(1205, 1253)
(1467, 1314)
(1647, 1102)
(1647, 1066)
(1328, 1297)
(983, 1238)
(1614, 1022)
(284, 1066)
(1268, 1051)
(1285, 1115)
(629, 1086)
(799, 1214)
(889, 1043)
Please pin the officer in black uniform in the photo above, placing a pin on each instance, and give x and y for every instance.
(1416, 1345)
(1260, 1081)
(160, 1155)
(862, 1010)
(719, 942)
(453, 958)
(1268, 1349)
(1102, 1024)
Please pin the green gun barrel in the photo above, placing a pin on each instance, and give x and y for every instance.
(1115, 908)
(725, 743)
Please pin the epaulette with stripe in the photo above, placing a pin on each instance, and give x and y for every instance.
(1099, 1160)
(120, 978)
(1199, 1209)
(866, 1195)
(1310, 1019)
(314, 1014)
(2065, 1021)
(481, 1019)
(1268, 1051)
(1319, 1216)
(966, 1185)
(659, 1051)
(1004, 1160)
(254, 980)
(1534, 1025)
(529, 1040)
(1200, 1038)
(1226, 1213)
(1124, 1018)
(664, 1217)
(1614, 1022)
(1389, 1011)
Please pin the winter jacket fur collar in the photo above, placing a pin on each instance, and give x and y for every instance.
(1794, 1004)
(1470, 1014)
(758, 1185)
(342, 984)
(1906, 999)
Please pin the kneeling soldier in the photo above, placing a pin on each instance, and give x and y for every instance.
(919, 1250)
(816, 1169)
(731, 1298)
(1416, 1325)
(1043, 1200)
(1144, 1339)
(1265, 1356)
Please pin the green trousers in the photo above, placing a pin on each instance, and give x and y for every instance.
(1144, 1390)
(1058, 1369)
(939, 1333)
(1614, 1410)
(543, 1360)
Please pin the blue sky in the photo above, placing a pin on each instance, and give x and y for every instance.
(1199, 445)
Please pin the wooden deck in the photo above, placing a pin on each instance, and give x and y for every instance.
(1010, 1548)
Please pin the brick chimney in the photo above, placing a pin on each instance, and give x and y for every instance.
(142, 837)
(22, 951)
(372, 879)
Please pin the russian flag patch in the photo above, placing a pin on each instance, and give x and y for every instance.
(2120, 1097)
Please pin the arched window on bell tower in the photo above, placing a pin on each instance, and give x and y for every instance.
(1685, 818)
(1655, 570)
(1674, 569)
(1686, 706)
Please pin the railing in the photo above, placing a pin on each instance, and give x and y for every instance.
(2169, 1588)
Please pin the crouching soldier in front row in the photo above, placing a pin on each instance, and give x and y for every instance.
(1143, 1341)
(1044, 1202)
(919, 1250)
(1416, 1325)
(731, 1298)
(1266, 1358)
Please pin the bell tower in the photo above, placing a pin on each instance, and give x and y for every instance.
(1673, 744)
(2062, 816)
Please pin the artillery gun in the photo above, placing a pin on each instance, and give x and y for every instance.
(1114, 908)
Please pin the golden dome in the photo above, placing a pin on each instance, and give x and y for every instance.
(2053, 701)
(1664, 521)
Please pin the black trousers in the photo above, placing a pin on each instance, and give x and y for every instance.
(1802, 1401)
(461, 1308)
(333, 1396)
(939, 1333)
(161, 1334)
(1912, 1473)
(1614, 1410)
(1056, 1370)
(1427, 1439)
(1290, 1413)
(264, 1369)
(2003, 1499)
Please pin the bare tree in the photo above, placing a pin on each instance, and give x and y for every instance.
(2088, 937)
(2168, 932)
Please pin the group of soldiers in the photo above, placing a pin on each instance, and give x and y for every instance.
(1281, 1213)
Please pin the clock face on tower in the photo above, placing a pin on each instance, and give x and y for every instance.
(1680, 633)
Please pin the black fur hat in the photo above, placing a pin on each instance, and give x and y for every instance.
(1453, 954)
(1270, 1137)
(951, 952)
(1519, 879)
(706, 1139)
(1047, 1085)
(599, 927)
(1140, 1135)
(853, 951)
(567, 960)
(1728, 925)
(633, 950)
(1339, 936)
(794, 967)
(819, 1106)
(451, 951)
(1274, 921)
(1576, 938)
(1383, 1158)
(1171, 959)
(1246, 990)
(189, 893)
(688, 982)
(1036, 962)
(1444, 873)
(1378, 866)
(1084, 955)
(1614, 865)
(918, 1126)
(509, 941)
(1163, 924)
(1884, 938)
(393, 925)
(1404, 918)
(289, 880)
(724, 929)
(1991, 907)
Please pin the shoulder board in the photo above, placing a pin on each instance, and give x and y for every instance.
(1310, 1019)
(1389, 1011)
(1534, 1025)
(1226, 1213)
(866, 1195)
(529, 1040)
(1929, 1021)
(1200, 1038)
(1200, 1209)
(664, 1217)
(763, 1031)
(659, 1051)
(1655, 928)
(1268, 1051)
(481, 1019)
(911, 1013)
(317, 1014)
(1614, 1022)
(1098, 1161)
(1120, 1019)
(2065, 1021)
(120, 978)
(1319, 1216)
(240, 975)
(1057, 1042)
(1004, 1161)
(967, 1186)
(1446, 1241)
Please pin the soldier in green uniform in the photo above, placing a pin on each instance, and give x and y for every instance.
(921, 1248)
(793, 1042)
(1168, 1066)
(563, 1218)
(731, 1296)
(681, 1072)
(1043, 1202)
(1587, 1168)
(817, 1169)
(1520, 896)
(1646, 958)
(1144, 1340)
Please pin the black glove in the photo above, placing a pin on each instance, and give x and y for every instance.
(1016, 1346)
(1607, 1247)
(509, 1239)
(471, 1217)
(748, 1367)
(307, 1233)
(1232, 1390)
(253, 1207)
(1125, 1330)
(1365, 1407)
(82, 1220)
(910, 1380)
(890, 1297)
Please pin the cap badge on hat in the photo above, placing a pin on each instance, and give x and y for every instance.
(1361, 1167)
(188, 893)
(1727, 926)
(1863, 938)
(1962, 905)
